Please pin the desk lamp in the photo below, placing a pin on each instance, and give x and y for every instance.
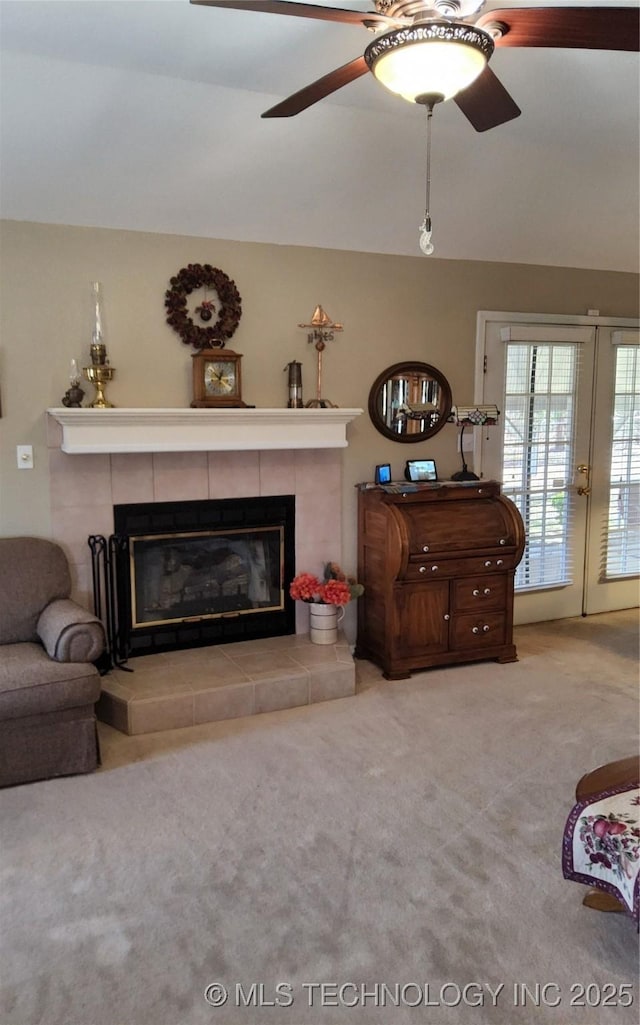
(471, 416)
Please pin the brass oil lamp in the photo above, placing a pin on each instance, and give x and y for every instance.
(100, 372)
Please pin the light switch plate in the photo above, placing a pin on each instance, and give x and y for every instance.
(25, 457)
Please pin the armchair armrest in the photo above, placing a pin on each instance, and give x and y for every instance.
(613, 774)
(69, 633)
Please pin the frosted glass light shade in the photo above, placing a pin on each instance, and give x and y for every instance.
(428, 68)
(434, 59)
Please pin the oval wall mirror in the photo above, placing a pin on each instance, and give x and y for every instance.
(409, 402)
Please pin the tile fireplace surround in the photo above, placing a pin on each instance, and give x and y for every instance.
(102, 458)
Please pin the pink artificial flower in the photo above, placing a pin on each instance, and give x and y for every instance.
(305, 587)
(336, 592)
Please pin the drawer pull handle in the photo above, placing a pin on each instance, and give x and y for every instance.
(475, 630)
(447, 617)
(499, 562)
(503, 541)
(476, 592)
(488, 562)
(485, 629)
(423, 569)
(425, 548)
(487, 590)
(481, 491)
(434, 569)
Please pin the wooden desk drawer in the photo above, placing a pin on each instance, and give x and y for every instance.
(477, 631)
(479, 594)
(434, 568)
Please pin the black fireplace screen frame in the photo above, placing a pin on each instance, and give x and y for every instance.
(213, 519)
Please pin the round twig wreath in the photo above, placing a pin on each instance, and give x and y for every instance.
(229, 310)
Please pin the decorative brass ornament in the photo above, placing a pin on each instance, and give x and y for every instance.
(322, 331)
(229, 307)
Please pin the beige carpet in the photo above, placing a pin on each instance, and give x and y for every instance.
(409, 835)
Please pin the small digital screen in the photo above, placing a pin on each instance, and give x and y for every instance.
(421, 469)
(383, 474)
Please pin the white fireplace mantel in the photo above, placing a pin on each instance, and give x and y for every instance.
(197, 430)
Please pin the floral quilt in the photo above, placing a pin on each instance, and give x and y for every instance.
(601, 845)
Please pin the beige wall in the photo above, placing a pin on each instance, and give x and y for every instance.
(393, 308)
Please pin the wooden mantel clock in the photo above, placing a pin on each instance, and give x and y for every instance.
(217, 381)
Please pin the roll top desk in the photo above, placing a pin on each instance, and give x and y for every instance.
(438, 566)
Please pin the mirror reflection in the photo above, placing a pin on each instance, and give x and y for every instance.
(409, 401)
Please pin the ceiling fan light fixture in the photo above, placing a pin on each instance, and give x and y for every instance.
(435, 58)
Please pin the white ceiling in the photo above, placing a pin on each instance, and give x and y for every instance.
(145, 114)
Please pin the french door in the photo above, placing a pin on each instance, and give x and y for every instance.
(567, 450)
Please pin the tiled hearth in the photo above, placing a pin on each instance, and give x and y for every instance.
(227, 681)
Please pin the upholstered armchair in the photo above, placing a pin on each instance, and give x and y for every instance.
(48, 682)
(601, 842)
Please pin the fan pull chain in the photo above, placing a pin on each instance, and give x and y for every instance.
(426, 245)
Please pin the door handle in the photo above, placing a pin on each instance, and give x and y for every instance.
(584, 489)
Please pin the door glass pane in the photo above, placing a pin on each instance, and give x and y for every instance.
(622, 543)
(539, 427)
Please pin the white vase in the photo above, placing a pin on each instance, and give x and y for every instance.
(323, 623)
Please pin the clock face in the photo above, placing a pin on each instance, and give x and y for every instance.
(220, 377)
(217, 381)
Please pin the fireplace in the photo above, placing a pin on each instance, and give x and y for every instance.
(100, 460)
(189, 574)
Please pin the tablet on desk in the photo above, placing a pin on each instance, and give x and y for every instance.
(421, 470)
(383, 473)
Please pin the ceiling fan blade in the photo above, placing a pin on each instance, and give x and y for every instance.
(486, 103)
(589, 28)
(303, 11)
(318, 90)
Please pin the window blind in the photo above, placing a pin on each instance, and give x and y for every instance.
(621, 540)
(542, 371)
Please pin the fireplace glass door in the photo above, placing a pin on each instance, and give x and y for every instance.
(178, 578)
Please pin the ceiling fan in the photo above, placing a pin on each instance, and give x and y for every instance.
(458, 47)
